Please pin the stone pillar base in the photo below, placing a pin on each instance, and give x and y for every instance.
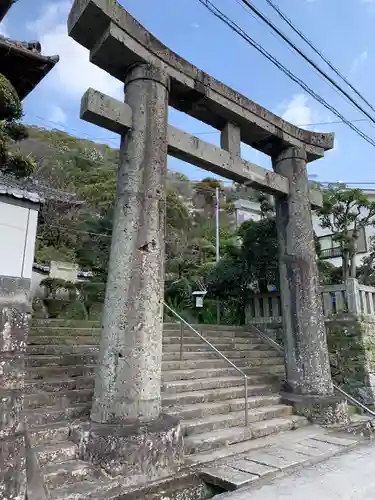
(138, 452)
(322, 410)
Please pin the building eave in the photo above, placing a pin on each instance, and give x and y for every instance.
(5, 5)
(25, 68)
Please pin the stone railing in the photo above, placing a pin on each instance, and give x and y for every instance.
(351, 297)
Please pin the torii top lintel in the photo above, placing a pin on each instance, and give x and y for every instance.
(117, 41)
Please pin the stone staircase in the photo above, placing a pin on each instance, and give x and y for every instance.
(203, 390)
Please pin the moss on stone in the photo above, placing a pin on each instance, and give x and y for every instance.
(351, 345)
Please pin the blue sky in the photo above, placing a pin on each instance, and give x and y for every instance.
(342, 29)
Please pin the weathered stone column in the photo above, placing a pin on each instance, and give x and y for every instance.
(306, 353)
(14, 310)
(128, 434)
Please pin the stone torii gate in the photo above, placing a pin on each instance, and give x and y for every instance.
(126, 414)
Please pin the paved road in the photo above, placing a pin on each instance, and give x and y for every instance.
(346, 477)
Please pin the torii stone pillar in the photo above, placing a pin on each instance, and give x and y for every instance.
(128, 434)
(309, 381)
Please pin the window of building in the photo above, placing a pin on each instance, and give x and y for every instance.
(331, 248)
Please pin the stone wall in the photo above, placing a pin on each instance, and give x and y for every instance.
(351, 345)
(14, 323)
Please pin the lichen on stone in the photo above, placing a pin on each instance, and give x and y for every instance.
(351, 344)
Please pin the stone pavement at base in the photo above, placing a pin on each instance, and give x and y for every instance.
(349, 476)
(270, 458)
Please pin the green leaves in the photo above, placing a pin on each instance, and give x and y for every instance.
(345, 212)
(10, 104)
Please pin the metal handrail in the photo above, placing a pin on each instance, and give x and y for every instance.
(183, 322)
(280, 349)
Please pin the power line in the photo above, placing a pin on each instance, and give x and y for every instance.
(234, 27)
(65, 129)
(213, 132)
(317, 51)
(282, 35)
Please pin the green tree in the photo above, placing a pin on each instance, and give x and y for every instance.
(345, 213)
(11, 131)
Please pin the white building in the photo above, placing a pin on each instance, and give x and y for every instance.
(18, 224)
(246, 210)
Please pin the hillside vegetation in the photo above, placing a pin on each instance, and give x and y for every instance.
(80, 232)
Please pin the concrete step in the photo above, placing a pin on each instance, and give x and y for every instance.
(58, 384)
(59, 399)
(171, 360)
(64, 330)
(236, 342)
(168, 349)
(71, 323)
(55, 452)
(177, 375)
(62, 474)
(86, 490)
(204, 328)
(208, 354)
(74, 323)
(170, 384)
(171, 370)
(201, 384)
(49, 433)
(68, 371)
(52, 414)
(34, 360)
(202, 410)
(61, 349)
(300, 431)
(172, 353)
(212, 333)
(221, 363)
(218, 343)
(234, 419)
(184, 398)
(198, 443)
(34, 340)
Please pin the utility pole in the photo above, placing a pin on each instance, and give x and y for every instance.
(217, 246)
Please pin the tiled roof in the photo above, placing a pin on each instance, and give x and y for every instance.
(23, 64)
(14, 187)
(21, 194)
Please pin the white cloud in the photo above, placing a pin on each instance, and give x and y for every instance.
(3, 30)
(57, 115)
(297, 111)
(74, 74)
(358, 61)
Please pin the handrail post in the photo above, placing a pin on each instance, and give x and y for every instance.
(181, 341)
(246, 403)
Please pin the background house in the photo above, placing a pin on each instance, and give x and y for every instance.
(330, 249)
